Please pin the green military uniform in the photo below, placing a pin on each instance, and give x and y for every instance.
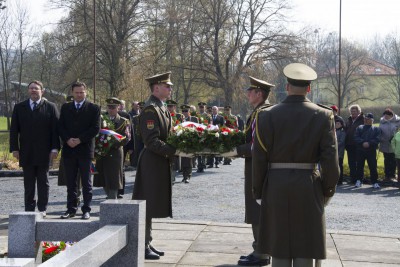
(291, 139)
(110, 167)
(252, 209)
(153, 175)
(187, 163)
(205, 119)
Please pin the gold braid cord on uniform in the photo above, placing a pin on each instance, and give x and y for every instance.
(251, 119)
(258, 136)
(123, 125)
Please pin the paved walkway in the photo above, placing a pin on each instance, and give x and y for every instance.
(192, 243)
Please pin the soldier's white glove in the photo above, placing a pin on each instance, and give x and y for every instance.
(258, 201)
(229, 154)
(184, 154)
(327, 200)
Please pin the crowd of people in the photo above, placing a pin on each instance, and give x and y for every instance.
(284, 193)
(362, 140)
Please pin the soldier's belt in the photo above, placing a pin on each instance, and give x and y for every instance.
(288, 165)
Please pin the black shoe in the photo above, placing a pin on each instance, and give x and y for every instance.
(202, 170)
(120, 196)
(67, 215)
(210, 166)
(158, 252)
(216, 166)
(85, 216)
(150, 255)
(245, 256)
(252, 260)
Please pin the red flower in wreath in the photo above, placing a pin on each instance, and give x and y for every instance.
(50, 249)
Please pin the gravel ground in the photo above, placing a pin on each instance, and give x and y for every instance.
(217, 195)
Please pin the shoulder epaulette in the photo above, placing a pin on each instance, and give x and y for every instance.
(149, 108)
(323, 106)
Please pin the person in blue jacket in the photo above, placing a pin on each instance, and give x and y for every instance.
(367, 139)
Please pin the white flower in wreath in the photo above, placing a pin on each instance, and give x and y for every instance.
(225, 133)
(105, 141)
(217, 135)
(179, 133)
(108, 137)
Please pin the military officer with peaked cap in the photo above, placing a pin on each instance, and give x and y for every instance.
(186, 163)
(137, 140)
(204, 118)
(291, 139)
(257, 94)
(171, 105)
(154, 184)
(110, 167)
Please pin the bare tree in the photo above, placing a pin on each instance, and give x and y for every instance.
(387, 51)
(117, 25)
(232, 35)
(353, 78)
(8, 56)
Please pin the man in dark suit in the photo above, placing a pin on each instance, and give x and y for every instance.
(34, 142)
(78, 125)
(216, 119)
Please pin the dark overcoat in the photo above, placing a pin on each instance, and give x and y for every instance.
(83, 124)
(292, 218)
(153, 175)
(252, 209)
(34, 132)
(110, 167)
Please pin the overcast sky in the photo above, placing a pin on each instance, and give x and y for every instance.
(361, 19)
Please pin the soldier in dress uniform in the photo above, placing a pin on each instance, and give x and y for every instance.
(177, 117)
(153, 175)
(204, 118)
(128, 146)
(137, 140)
(110, 167)
(257, 94)
(231, 121)
(186, 163)
(286, 180)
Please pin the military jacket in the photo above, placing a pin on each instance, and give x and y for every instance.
(153, 175)
(252, 209)
(292, 199)
(109, 167)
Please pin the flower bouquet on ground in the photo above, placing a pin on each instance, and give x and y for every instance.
(50, 249)
(105, 140)
(200, 139)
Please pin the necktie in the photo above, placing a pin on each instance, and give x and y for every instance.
(34, 105)
(78, 106)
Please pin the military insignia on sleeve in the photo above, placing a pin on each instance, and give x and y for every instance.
(150, 124)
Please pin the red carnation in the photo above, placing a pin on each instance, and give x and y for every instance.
(50, 249)
(105, 144)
